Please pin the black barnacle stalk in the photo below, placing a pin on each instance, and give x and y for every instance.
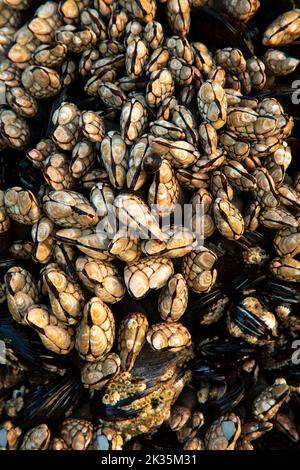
(30, 178)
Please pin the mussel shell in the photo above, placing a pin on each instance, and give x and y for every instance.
(29, 351)
(233, 382)
(111, 412)
(249, 324)
(53, 401)
(224, 351)
(214, 29)
(278, 291)
(207, 299)
(236, 389)
(280, 362)
(198, 310)
(149, 368)
(203, 370)
(151, 365)
(255, 238)
(246, 282)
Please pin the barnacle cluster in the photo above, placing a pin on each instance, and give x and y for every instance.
(125, 327)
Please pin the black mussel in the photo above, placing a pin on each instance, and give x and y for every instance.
(224, 351)
(228, 258)
(214, 29)
(249, 319)
(22, 348)
(255, 238)
(274, 290)
(222, 388)
(237, 385)
(295, 404)
(246, 282)
(53, 401)
(282, 358)
(153, 365)
(89, 102)
(205, 371)
(144, 395)
(208, 309)
(277, 355)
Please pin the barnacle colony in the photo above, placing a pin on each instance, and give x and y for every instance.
(123, 331)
